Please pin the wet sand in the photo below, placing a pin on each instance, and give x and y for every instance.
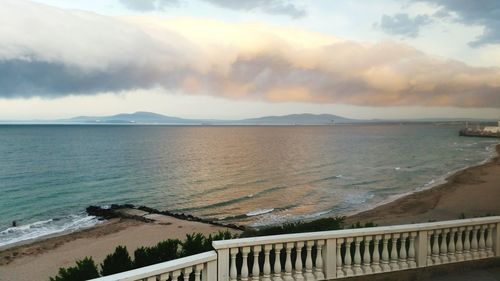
(474, 192)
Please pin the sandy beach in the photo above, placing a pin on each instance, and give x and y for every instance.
(473, 192)
(42, 259)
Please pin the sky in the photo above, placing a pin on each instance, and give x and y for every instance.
(239, 59)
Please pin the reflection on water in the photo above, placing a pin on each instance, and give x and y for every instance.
(247, 174)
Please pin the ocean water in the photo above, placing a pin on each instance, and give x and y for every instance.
(255, 175)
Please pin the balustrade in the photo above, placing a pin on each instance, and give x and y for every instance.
(332, 254)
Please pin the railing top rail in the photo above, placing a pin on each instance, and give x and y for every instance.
(160, 268)
(345, 233)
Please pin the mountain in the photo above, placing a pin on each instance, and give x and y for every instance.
(299, 119)
(142, 117)
(155, 118)
(133, 118)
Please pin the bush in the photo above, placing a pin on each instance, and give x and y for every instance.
(117, 262)
(84, 270)
(163, 251)
(194, 244)
(324, 224)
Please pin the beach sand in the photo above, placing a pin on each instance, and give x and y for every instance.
(474, 192)
(42, 259)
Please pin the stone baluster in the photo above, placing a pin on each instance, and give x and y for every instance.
(460, 246)
(298, 261)
(435, 247)
(186, 272)
(394, 252)
(165, 276)
(443, 250)
(233, 272)
(244, 265)
(482, 242)
(489, 241)
(376, 268)
(452, 256)
(366, 256)
(347, 259)
(175, 275)
(318, 270)
(411, 251)
(197, 272)
(467, 250)
(288, 262)
(403, 262)
(309, 276)
(474, 243)
(256, 267)
(277, 262)
(429, 249)
(385, 254)
(340, 272)
(266, 270)
(357, 256)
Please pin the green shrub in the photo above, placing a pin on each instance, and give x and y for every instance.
(194, 244)
(324, 224)
(117, 262)
(161, 252)
(85, 269)
(360, 225)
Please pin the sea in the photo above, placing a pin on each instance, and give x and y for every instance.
(252, 175)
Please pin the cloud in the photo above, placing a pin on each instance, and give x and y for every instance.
(273, 7)
(403, 24)
(48, 52)
(484, 13)
(148, 5)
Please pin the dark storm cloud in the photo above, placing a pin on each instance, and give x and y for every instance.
(24, 78)
(273, 7)
(403, 24)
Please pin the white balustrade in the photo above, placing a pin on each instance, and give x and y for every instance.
(201, 267)
(331, 254)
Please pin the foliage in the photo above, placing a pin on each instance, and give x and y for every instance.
(161, 252)
(360, 225)
(116, 262)
(85, 269)
(324, 224)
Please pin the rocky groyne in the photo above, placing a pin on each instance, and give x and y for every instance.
(123, 211)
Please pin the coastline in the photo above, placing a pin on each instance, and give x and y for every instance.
(473, 191)
(43, 258)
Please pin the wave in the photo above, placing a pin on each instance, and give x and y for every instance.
(71, 223)
(259, 212)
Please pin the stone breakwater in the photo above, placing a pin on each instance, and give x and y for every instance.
(125, 211)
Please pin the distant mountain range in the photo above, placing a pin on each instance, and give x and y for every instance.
(155, 118)
(292, 119)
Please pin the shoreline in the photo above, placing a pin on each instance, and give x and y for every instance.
(42, 259)
(444, 201)
(436, 183)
